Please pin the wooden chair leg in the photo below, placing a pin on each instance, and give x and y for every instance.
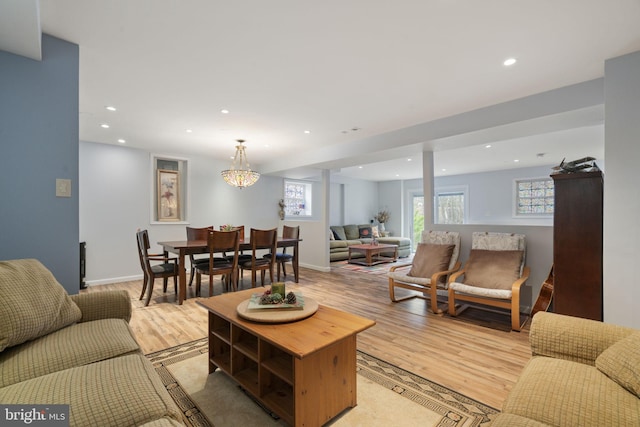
(198, 283)
(284, 270)
(193, 272)
(150, 290)
(253, 278)
(210, 285)
(175, 284)
(278, 272)
(271, 274)
(144, 285)
(165, 282)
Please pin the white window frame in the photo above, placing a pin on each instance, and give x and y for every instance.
(307, 211)
(184, 189)
(455, 189)
(516, 198)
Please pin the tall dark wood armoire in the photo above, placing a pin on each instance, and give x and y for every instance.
(577, 244)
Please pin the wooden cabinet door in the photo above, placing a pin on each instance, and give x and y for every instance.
(577, 244)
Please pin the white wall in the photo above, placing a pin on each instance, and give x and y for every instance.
(353, 201)
(621, 195)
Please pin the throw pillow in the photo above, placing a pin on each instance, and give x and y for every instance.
(331, 236)
(621, 363)
(366, 232)
(493, 269)
(375, 232)
(34, 304)
(338, 232)
(430, 259)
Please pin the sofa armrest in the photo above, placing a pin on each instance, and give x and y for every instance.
(572, 338)
(103, 305)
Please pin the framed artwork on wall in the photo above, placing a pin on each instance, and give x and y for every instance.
(168, 196)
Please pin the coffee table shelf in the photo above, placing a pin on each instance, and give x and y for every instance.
(304, 371)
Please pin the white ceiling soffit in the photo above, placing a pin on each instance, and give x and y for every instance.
(20, 28)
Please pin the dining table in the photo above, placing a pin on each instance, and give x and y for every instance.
(182, 248)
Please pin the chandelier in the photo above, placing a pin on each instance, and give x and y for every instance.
(240, 174)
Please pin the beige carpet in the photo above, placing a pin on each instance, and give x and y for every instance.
(387, 395)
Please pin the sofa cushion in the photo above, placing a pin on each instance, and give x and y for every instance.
(33, 302)
(75, 345)
(621, 363)
(430, 259)
(563, 393)
(338, 244)
(374, 231)
(338, 232)
(123, 391)
(351, 231)
(493, 269)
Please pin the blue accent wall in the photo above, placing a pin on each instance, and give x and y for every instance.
(39, 143)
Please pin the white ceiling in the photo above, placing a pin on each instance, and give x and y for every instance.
(344, 70)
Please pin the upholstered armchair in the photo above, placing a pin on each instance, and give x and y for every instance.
(436, 257)
(492, 275)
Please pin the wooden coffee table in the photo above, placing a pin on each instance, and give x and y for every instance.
(373, 254)
(304, 371)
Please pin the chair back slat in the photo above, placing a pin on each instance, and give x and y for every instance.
(198, 233)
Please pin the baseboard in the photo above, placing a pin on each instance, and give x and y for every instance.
(108, 281)
(316, 267)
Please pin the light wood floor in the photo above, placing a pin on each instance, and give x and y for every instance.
(482, 362)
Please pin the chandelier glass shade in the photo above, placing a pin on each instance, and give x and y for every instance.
(240, 174)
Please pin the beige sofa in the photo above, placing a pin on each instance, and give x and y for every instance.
(583, 373)
(343, 236)
(75, 350)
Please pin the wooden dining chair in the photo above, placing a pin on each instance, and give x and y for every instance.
(261, 240)
(197, 234)
(242, 257)
(167, 268)
(219, 242)
(283, 257)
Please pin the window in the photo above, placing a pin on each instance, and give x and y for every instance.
(534, 197)
(297, 198)
(451, 206)
(417, 220)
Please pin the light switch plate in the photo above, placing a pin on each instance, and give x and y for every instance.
(63, 188)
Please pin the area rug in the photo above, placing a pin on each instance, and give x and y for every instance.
(387, 395)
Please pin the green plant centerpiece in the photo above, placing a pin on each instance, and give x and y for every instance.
(276, 295)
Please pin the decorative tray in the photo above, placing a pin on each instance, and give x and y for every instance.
(254, 304)
(284, 315)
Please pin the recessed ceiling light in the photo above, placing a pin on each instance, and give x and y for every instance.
(225, 111)
(266, 146)
(397, 174)
(359, 167)
(516, 160)
(408, 160)
(307, 131)
(509, 62)
(487, 146)
(110, 108)
(444, 170)
(121, 141)
(104, 125)
(188, 130)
